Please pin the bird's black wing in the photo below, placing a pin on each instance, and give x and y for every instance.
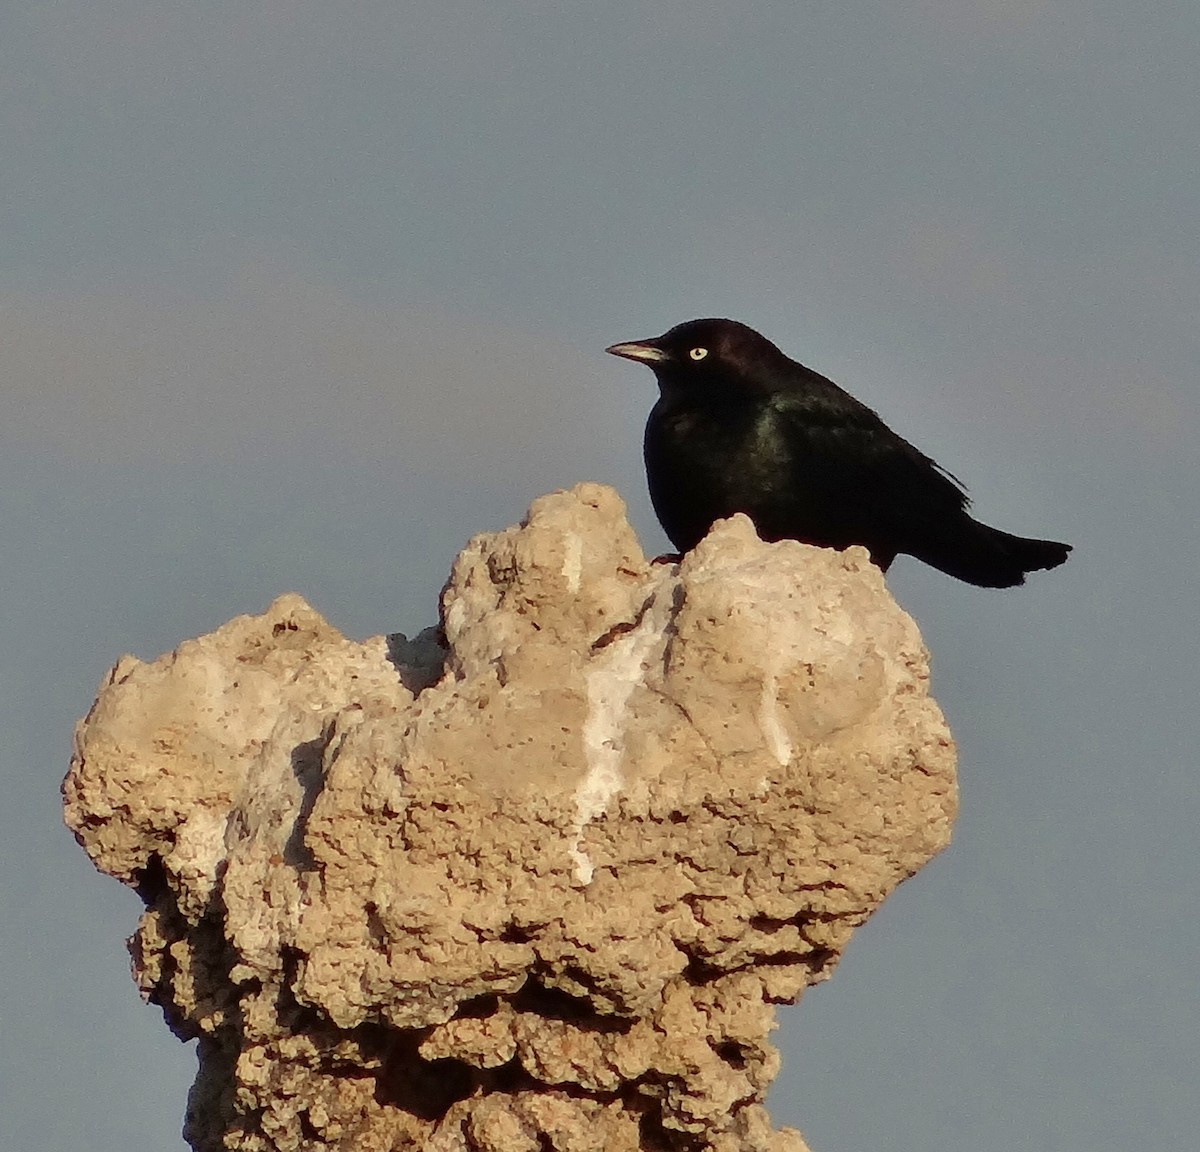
(857, 479)
(854, 481)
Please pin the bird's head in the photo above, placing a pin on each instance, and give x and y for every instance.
(705, 357)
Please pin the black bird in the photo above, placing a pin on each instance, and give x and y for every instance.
(740, 427)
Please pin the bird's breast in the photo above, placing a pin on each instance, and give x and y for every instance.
(704, 464)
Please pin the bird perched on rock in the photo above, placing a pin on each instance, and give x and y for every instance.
(740, 427)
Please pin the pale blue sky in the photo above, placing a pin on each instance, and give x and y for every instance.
(299, 297)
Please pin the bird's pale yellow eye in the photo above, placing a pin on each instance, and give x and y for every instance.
(698, 353)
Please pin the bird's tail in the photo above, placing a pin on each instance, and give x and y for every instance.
(990, 558)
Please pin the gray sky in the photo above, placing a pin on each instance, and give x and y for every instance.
(299, 297)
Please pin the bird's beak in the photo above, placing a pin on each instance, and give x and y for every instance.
(644, 351)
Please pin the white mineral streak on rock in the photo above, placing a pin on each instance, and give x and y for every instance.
(773, 727)
(537, 878)
(573, 563)
(617, 670)
(455, 616)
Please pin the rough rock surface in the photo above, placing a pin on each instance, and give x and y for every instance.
(535, 879)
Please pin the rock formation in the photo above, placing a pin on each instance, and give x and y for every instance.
(536, 878)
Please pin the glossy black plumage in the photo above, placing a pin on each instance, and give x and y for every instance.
(740, 427)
